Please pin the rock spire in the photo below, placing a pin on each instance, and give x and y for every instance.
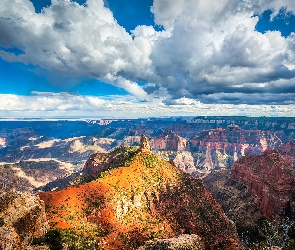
(145, 147)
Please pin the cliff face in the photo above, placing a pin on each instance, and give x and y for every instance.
(270, 180)
(236, 202)
(288, 152)
(174, 148)
(168, 141)
(22, 217)
(214, 149)
(219, 148)
(140, 197)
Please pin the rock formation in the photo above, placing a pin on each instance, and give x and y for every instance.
(168, 141)
(287, 150)
(140, 197)
(236, 202)
(100, 162)
(184, 241)
(271, 182)
(22, 217)
(220, 148)
(185, 161)
(145, 147)
(213, 149)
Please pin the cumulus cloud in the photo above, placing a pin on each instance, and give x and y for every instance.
(216, 55)
(208, 52)
(72, 40)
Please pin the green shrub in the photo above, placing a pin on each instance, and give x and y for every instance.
(59, 239)
(272, 236)
(2, 222)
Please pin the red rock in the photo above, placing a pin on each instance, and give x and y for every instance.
(169, 141)
(270, 180)
(288, 152)
(96, 164)
(141, 197)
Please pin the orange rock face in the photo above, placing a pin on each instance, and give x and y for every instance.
(270, 180)
(140, 197)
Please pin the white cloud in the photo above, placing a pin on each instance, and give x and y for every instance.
(73, 40)
(215, 50)
(209, 51)
(67, 105)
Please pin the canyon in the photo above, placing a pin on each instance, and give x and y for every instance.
(137, 188)
(36, 153)
(256, 188)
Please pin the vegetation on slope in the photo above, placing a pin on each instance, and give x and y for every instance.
(138, 197)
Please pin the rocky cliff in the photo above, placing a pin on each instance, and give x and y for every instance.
(219, 148)
(287, 150)
(214, 149)
(271, 182)
(22, 217)
(236, 202)
(168, 141)
(138, 196)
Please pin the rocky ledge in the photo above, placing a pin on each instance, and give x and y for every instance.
(22, 218)
(184, 241)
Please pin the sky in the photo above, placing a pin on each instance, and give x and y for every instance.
(148, 58)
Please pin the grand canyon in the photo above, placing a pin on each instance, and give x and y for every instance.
(147, 125)
(158, 183)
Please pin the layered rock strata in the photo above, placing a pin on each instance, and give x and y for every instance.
(271, 182)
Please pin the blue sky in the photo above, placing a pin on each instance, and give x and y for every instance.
(147, 58)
